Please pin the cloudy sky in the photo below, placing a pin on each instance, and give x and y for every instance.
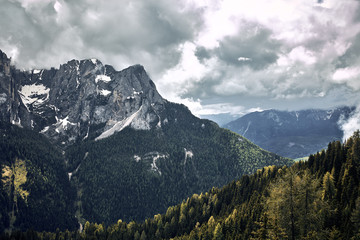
(214, 56)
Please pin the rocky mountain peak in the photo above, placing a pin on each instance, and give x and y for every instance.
(68, 103)
(4, 63)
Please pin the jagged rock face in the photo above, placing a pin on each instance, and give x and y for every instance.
(11, 107)
(80, 98)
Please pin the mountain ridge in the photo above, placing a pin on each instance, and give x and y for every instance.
(292, 134)
(62, 103)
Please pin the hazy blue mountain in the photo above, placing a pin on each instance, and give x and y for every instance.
(292, 134)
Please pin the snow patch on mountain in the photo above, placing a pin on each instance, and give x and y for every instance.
(72, 173)
(154, 157)
(103, 78)
(137, 158)
(104, 92)
(153, 165)
(63, 124)
(329, 114)
(188, 154)
(45, 129)
(36, 94)
(3, 98)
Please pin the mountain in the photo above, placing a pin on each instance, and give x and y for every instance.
(309, 200)
(292, 134)
(64, 103)
(126, 153)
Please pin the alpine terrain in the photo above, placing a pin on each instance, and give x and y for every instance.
(86, 142)
(293, 134)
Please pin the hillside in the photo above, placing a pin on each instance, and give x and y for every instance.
(294, 134)
(34, 188)
(143, 172)
(317, 199)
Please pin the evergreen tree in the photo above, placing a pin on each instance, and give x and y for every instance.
(329, 189)
(218, 234)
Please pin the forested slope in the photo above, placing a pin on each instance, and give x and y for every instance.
(34, 188)
(317, 199)
(135, 174)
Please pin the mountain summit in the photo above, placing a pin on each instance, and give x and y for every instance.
(63, 103)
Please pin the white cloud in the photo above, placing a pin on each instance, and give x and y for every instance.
(180, 78)
(303, 55)
(348, 75)
(343, 74)
(57, 6)
(240, 59)
(350, 125)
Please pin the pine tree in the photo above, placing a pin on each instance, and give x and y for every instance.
(355, 217)
(143, 236)
(294, 205)
(263, 231)
(218, 234)
(328, 188)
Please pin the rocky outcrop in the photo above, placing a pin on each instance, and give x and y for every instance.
(11, 107)
(80, 99)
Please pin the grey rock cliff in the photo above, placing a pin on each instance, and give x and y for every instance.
(79, 99)
(11, 107)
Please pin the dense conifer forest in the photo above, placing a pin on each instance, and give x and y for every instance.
(136, 173)
(34, 188)
(315, 199)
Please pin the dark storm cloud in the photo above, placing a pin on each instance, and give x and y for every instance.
(202, 53)
(250, 47)
(205, 87)
(19, 29)
(136, 24)
(133, 31)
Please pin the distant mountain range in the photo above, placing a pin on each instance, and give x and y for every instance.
(88, 142)
(292, 134)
